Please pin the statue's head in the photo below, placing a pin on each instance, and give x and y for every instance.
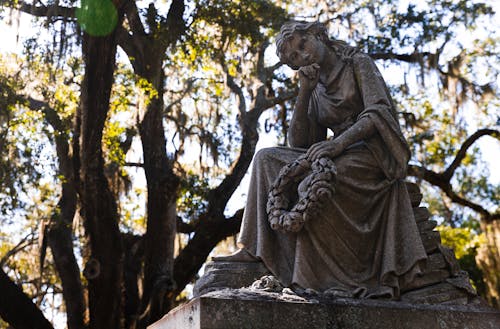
(291, 28)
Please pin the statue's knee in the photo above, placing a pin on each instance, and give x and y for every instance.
(264, 154)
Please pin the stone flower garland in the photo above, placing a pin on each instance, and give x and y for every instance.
(316, 184)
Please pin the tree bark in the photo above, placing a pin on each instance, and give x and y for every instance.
(60, 236)
(488, 260)
(162, 184)
(134, 251)
(104, 269)
(206, 236)
(17, 309)
(60, 242)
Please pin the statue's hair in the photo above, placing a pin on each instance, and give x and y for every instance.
(316, 29)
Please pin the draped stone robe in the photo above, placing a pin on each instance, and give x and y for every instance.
(364, 242)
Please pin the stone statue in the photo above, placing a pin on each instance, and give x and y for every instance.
(328, 220)
(333, 214)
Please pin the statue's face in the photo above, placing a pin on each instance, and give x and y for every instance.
(302, 50)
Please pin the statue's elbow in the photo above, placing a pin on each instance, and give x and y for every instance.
(297, 142)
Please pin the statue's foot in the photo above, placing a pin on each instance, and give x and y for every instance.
(241, 255)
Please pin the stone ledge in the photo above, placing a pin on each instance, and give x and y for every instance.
(246, 309)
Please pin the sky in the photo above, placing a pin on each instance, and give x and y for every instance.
(11, 42)
(15, 28)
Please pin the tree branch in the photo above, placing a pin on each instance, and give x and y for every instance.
(131, 45)
(42, 11)
(443, 180)
(25, 242)
(448, 173)
(59, 235)
(409, 58)
(242, 107)
(206, 237)
(439, 180)
(17, 309)
(134, 19)
(134, 164)
(189, 87)
(175, 25)
(183, 227)
(248, 120)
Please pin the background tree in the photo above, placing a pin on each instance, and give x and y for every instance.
(183, 113)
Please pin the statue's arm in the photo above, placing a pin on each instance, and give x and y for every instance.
(361, 129)
(304, 131)
(375, 97)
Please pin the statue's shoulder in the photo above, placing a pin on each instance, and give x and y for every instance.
(362, 61)
(360, 57)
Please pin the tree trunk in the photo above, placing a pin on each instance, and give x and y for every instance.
(162, 186)
(60, 234)
(488, 260)
(61, 243)
(162, 182)
(104, 269)
(134, 252)
(17, 309)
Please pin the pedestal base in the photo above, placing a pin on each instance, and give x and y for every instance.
(243, 308)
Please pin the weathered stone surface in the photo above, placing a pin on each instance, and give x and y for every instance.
(220, 275)
(241, 309)
(412, 188)
(449, 256)
(441, 293)
(319, 219)
(414, 192)
(421, 214)
(426, 226)
(346, 200)
(428, 278)
(431, 241)
(436, 261)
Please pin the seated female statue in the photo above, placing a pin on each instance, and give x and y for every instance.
(333, 214)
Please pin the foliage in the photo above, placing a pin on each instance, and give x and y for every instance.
(465, 242)
(440, 58)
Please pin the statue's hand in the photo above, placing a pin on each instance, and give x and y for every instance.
(309, 76)
(330, 148)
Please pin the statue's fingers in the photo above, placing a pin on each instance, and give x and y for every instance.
(310, 151)
(313, 151)
(309, 73)
(318, 154)
(309, 154)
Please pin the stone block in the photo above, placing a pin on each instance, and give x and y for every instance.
(426, 226)
(240, 309)
(412, 188)
(421, 214)
(431, 241)
(441, 293)
(414, 193)
(415, 199)
(436, 261)
(451, 260)
(429, 277)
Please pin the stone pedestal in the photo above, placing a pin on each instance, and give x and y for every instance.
(243, 308)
